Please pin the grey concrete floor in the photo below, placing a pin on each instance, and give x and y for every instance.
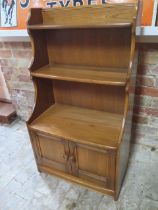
(23, 188)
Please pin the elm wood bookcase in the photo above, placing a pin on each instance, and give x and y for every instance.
(83, 69)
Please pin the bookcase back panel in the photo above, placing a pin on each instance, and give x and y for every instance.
(100, 97)
(108, 47)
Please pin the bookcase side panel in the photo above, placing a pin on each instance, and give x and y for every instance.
(125, 141)
(39, 49)
(44, 97)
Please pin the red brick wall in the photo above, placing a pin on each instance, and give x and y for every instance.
(15, 58)
(145, 118)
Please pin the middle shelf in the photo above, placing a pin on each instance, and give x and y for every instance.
(96, 75)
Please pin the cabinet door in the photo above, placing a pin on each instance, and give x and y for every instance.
(93, 164)
(52, 152)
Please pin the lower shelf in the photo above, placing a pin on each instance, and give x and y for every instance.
(80, 125)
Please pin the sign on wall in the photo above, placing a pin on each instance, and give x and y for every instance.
(148, 12)
(14, 12)
(8, 13)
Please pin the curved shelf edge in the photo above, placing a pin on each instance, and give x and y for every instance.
(38, 42)
(42, 101)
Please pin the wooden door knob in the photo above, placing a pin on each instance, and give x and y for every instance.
(66, 157)
(72, 158)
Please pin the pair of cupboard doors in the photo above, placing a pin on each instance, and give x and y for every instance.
(88, 163)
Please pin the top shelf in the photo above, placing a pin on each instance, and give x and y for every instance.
(113, 25)
(92, 16)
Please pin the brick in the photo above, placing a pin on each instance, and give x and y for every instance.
(148, 91)
(150, 47)
(27, 54)
(7, 72)
(3, 62)
(144, 69)
(155, 103)
(154, 70)
(145, 101)
(25, 86)
(145, 81)
(7, 76)
(156, 84)
(19, 62)
(7, 69)
(24, 78)
(23, 94)
(148, 58)
(144, 110)
(154, 121)
(5, 54)
(23, 101)
(24, 71)
(27, 45)
(138, 109)
(17, 45)
(140, 119)
(1, 45)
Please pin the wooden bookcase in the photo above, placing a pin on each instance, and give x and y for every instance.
(83, 68)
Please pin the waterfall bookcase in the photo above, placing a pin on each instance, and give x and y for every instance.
(83, 69)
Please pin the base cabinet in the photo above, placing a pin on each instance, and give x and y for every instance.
(89, 163)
